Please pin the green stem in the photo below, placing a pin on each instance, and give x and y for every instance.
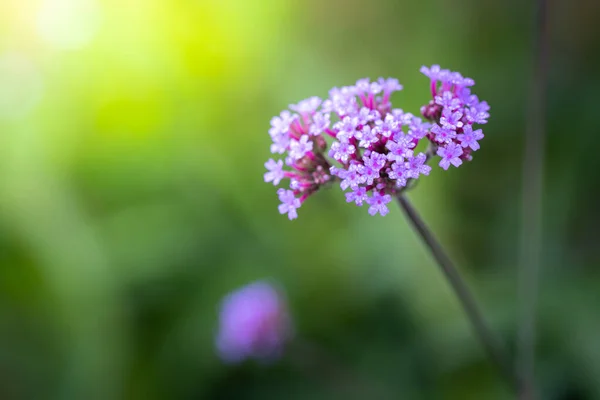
(492, 346)
(531, 234)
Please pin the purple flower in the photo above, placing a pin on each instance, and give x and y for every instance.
(417, 129)
(346, 128)
(474, 115)
(434, 73)
(372, 165)
(447, 100)
(307, 106)
(341, 151)
(400, 149)
(450, 155)
(386, 127)
(320, 122)
(398, 173)
(373, 141)
(365, 86)
(275, 173)
(457, 79)
(465, 96)
(366, 115)
(451, 120)
(280, 131)
(366, 137)
(389, 85)
(352, 177)
(375, 88)
(282, 123)
(482, 106)
(253, 323)
(335, 171)
(299, 148)
(469, 137)
(341, 101)
(281, 142)
(378, 203)
(443, 135)
(399, 114)
(289, 203)
(357, 196)
(416, 165)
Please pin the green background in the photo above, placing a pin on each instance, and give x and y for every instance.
(132, 141)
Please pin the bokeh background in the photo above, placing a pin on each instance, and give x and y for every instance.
(132, 141)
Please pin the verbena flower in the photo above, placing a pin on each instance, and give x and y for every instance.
(453, 110)
(372, 147)
(253, 323)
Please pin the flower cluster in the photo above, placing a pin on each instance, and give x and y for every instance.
(454, 110)
(254, 323)
(374, 147)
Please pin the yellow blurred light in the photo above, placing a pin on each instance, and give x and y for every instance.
(68, 24)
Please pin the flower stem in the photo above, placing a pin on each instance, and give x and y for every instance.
(531, 233)
(493, 347)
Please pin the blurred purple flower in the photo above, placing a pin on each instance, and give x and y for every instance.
(275, 173)
(253, 323)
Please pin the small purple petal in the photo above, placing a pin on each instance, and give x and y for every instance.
(275, 173)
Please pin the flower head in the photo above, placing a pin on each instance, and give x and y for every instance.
(373, 147)
(454, 109)
(253, 323)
